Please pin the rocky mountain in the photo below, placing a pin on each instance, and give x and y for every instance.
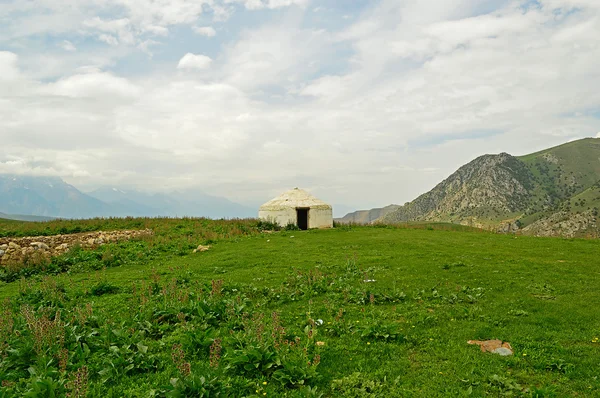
(551, 192)
(489, 187)
(52, 197)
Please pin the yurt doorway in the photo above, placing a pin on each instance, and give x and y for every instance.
(302, 217)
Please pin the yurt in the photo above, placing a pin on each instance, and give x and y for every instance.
(298, 207)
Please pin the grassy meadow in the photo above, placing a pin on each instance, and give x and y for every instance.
(382, 311)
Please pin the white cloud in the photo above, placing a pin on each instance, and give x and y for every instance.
(146, 45)
(277, 54)
(121, 28)
(207, 31)
(68, 46)
(156, 30)
(8, 66)
(194, 61)
(270, 4)
(25, 18)
(406, 93)
(94, 85)
(108, 39)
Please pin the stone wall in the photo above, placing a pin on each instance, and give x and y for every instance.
(15, 249)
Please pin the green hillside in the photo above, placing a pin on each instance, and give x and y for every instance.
(374, 311)
(565, 171)
(508, 193)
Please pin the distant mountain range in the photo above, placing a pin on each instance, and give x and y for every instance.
(368, 216)
(52, 197)
(552, 192)
(23, 217)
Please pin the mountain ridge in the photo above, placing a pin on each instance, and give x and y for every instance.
(367, 216)
(51, 197)
(555, 191)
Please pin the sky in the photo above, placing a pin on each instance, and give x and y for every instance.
(362, 102)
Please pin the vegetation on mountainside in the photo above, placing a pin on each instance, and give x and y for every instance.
(348, 312)
(499, 189)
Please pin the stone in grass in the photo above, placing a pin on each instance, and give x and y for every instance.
(201, 248)
(39, 246)
(503, 351)
(494, 346)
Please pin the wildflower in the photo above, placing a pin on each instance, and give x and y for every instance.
(215, 353)
(78, 383)
(264, 383)
(368, 343)
(316, 360)
(178, 357)
(63, 359)
(595, 340)
(524, 354)
(320, 343)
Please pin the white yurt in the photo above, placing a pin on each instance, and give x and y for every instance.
(298, 207)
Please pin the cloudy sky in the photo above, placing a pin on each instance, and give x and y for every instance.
(362, 102)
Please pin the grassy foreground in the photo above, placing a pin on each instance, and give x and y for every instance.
(290, 314)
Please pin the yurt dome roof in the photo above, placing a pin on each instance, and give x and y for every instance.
(295, 198)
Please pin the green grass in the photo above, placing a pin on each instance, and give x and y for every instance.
(403, 335)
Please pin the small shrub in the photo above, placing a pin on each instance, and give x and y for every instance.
(356, 385)
(291, 227)
(194, 386)
(267, 225)
(103, 287)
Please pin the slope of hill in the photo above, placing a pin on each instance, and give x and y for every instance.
(179, 203)
(367, 216)
(491, 187)
(48, 197)
(21, 217)
(546, 188)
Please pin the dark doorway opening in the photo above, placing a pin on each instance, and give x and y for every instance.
(302, 218)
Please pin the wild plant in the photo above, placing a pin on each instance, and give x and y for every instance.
(215, 353)
(47, 333)
(7, 324)
(178, 357)
(216, 288)
(78, 383)
(264, 349)
(81, 314)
